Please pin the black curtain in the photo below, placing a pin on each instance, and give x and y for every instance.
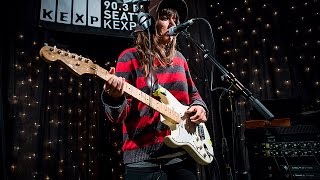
(52, 122)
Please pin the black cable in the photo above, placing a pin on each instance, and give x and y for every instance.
(225, 148)
(275, 160)
(152, 84)
(289, 168)
(211, 33)
(315, 157)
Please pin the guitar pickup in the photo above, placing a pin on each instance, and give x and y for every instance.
(201, 132)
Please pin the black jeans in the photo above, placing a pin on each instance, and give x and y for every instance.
(185, 170)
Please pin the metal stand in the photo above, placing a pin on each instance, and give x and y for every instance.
(240, 160)
(241, 166)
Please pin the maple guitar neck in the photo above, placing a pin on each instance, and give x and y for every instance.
(143, 97)
(81, 65)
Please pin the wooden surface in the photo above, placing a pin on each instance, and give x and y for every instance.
(283, 122)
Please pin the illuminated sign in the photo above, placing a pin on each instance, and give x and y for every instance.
(104, 17)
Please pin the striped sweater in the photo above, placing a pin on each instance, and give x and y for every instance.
(143, 132)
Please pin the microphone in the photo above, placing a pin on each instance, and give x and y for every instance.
(177, 29)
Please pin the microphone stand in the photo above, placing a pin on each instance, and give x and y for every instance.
(229, 77)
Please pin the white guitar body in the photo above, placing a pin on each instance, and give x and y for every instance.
(194, 138)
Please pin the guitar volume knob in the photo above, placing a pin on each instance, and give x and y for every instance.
(204, 155)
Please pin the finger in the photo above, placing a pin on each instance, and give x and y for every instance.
(119, 84)
(197, 121)
(199, 117)
(109, 81)
(114, 83)
(112, 70)
(204, 119)
(195, 114)
(191, 109)
(105, 86)
(194, 117)
(122, 84)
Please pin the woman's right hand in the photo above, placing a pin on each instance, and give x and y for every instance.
(114, 85)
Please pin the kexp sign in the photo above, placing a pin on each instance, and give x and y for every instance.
(105, 17)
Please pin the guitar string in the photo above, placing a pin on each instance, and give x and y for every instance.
(96, 68)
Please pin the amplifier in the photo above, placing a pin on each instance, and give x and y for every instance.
(284, 153)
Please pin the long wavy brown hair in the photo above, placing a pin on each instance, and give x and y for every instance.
(160, 52)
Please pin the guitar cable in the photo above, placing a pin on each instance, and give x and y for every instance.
(160, 170)
(225, 148)
(315, 158)
(289, 168)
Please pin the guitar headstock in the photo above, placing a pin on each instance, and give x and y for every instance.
(78, 64)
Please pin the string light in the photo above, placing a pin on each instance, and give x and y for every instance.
(70, 106)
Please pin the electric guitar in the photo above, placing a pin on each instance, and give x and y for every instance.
(194, 138)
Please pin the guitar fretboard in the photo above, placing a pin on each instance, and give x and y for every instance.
(143, 97)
